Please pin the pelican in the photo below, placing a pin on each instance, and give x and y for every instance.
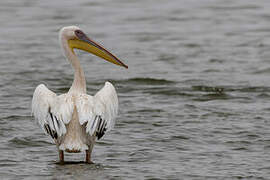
(75, 120)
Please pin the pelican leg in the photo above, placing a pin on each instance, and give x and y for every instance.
(61, 156)
(88, 155)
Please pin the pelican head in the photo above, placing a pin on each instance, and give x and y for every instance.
(74, 37)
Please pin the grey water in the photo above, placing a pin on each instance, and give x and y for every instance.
(194, 103)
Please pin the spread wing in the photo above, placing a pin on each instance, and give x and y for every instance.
(52, 111)
(98, 111)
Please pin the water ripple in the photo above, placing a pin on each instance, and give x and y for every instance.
(194, 103)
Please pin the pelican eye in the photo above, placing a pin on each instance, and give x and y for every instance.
(79, 33)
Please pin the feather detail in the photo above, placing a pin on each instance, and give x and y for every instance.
(51, 111)
(98, 112)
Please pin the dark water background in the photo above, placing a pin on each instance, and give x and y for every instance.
(194, 103)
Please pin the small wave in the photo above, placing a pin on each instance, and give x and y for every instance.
(252, 89)
(104, 143)
(238, 142)
(262, 71)
(222, 89)
(24, 142)
(8, 163)
(169, 92)
(211, 71)
(147, 81)
(236, 8)
(192, 45)
(267, 147)
(216, 89)
(240, 149)
(62, 17)
(11, 118)
(180, 137)
(91, 4)
(135, 122)
(263, 95)
(221, 96)
(214, 60)
(167, 57)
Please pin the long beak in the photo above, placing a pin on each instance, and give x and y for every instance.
(86, 44)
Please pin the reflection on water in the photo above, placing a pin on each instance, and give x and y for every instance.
(79, 170)
(194, 103)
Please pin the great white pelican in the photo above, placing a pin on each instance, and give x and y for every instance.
(75, 119)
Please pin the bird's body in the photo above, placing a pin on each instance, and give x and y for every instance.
(74, 120)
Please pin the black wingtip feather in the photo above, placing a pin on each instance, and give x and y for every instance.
(51, 132)
(100, 127)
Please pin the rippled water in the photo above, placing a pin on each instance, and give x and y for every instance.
(194, 103)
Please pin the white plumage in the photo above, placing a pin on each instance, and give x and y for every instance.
(104, 105)
(56, 111)
(74, 119)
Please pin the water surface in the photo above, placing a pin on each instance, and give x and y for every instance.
(194, 103)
